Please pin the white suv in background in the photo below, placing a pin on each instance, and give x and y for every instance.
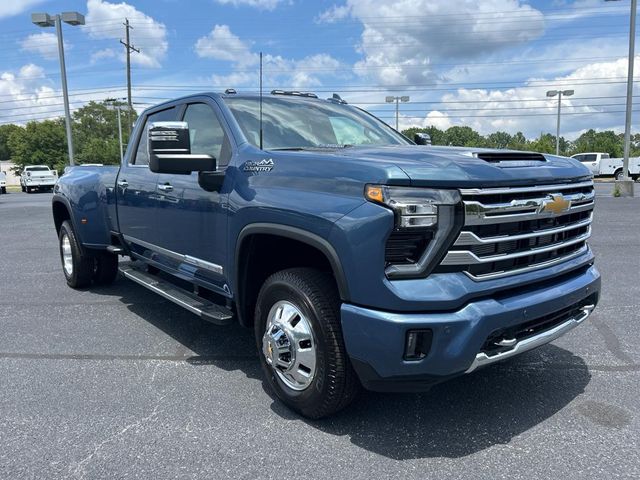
(38, 177)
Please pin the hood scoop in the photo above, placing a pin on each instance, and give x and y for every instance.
(512, 159)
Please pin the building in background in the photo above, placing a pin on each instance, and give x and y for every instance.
(7, 166)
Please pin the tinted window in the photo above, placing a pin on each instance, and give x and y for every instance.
(206, 133)
(142, 152)
(605, 155)
(592, 157)
(578, 157)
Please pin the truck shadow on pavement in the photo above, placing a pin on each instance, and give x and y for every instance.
(454, 419)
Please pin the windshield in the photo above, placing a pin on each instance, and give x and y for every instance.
(303, 123)
(37, 169)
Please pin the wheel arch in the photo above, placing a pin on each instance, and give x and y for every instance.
(292, 236)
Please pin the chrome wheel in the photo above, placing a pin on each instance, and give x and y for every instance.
(289, 346)
(67, 255)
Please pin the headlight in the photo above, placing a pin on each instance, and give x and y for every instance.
(28, 179)
(426, 223)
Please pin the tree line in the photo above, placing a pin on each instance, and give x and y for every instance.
(590, 141)
(95, 138)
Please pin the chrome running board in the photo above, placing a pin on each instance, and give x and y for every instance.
(206, 309)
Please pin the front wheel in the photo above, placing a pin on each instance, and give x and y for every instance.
(298, 332)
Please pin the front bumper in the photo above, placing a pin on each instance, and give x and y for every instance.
(375, 340)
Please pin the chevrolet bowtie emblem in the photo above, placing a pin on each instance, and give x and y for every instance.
(556, 204)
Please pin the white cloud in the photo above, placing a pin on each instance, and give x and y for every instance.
(536, 111)
(221, 44)
(280, 72)
(260, 4)
(102, 55)
(8, 8)
(402, 38)
(334, 14)
(147, 34)
(44, 44)
(28, 95)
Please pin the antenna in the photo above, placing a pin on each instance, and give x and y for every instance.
(260, 100)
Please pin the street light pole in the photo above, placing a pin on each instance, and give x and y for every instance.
(559, 93)
(392, 99)
(65, 92)
(45, 20)
(558, 124)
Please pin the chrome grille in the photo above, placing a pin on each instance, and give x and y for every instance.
(515, 230)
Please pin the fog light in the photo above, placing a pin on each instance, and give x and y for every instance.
(417, 344)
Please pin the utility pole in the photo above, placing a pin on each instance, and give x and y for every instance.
(129, 48)
(627, 122)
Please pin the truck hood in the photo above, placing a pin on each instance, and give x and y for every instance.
(460, 167)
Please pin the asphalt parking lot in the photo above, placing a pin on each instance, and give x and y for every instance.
(116, 382)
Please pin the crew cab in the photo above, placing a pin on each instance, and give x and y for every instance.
(37, 177)
(357, 257)
(602, 165)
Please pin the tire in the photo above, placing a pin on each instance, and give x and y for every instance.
(4, 190)
(27, 189)
(106, 268)
(77, 266)
(332, 384)
(618, 175)
(23, 188)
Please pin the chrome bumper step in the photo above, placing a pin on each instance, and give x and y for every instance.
(530, 343)
(209, 311)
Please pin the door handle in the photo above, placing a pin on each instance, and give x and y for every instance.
(123, 184)
(165, 187)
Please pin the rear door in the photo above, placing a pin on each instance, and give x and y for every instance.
(136, 190)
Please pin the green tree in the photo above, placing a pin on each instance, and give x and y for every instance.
(518, 142)
(463, 137)
(39, 143)
(545, 143)
(607, 141)
(437, 135)
(95, 132)
(498, 140)
(5, 132)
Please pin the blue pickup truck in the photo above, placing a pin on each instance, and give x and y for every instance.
(358, 257)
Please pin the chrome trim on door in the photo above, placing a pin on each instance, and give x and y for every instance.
(197, 262)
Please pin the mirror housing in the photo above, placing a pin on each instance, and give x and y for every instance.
(422, 138)
(170, 150)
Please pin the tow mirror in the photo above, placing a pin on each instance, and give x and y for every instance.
(422, 138)
(170, 150)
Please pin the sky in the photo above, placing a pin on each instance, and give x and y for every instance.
(486, 64)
